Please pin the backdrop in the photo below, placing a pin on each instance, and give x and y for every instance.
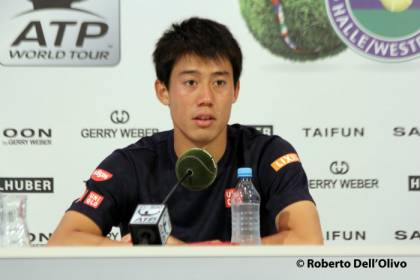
(76, 83)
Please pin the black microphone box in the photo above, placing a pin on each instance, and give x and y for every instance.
(150, 224)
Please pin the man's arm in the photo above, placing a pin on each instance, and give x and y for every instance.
(77, 229)
(297, 224)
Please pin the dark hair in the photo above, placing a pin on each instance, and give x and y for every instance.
(202, 37)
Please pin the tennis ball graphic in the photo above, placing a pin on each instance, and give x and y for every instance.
(396, 6)
(297, 30)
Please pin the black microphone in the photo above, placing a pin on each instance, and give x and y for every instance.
(150, 224)
(202, 166)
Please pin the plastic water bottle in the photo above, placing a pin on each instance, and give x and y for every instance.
(245, 207)
(13, 229)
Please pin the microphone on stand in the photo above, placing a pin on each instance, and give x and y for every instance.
(150, 224)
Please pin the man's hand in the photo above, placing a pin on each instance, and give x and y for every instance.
(171, 240)
(297, 224)
(78, 229)
(174, 241)
(127, 239)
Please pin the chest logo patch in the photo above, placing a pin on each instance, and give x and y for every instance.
(100, 175)
(284, 160)
(228, 197)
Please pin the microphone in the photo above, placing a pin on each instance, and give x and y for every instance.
(196, 170)
(202, 166)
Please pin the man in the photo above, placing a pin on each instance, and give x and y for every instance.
(198, 64)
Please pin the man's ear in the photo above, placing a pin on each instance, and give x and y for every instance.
(162, 92)
(236, 91)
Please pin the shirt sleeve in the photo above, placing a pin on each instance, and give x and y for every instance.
(108, 192)
(283, 180)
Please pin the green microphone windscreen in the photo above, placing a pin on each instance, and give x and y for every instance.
(202, 166)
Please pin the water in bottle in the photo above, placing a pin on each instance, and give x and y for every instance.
(245, 207)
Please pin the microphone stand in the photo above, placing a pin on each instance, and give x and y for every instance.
(188, 174)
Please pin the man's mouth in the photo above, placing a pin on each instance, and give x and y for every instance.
(204, 120)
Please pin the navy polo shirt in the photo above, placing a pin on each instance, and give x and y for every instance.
(144, 173)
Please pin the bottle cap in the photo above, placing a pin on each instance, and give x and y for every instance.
(245, 172)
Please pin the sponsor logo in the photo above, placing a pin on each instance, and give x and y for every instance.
(407, 235)
(148, 213)
(401, 131)
(60, 32)
(414, 183)
(51, 4)
(100, 175)
(342, 168)
(39, 239)
(385, 30)
(118, 117)
(345, 235)
(334, 132)
(339, 168)
(264, 129)
(27, 136)
(228, 197)
(93, 200)
(284, 160)
(111, 133)
(26, 185)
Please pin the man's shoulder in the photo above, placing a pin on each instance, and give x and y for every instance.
(150, 142)
(148, 147)
(253, 136)
(251, 146)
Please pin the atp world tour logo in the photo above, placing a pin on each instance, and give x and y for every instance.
(59, 32)
(386, 30)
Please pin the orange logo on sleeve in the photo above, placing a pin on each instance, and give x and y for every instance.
(284, 160)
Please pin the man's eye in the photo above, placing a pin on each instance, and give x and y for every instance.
(190, 83)
(220, 83)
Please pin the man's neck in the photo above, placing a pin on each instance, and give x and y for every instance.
(216, 148)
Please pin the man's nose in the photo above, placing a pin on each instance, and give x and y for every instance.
(206, 96)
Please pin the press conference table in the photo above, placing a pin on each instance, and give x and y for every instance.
(211, 262)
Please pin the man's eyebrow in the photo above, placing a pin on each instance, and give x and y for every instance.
(196, 72)
(220, 73)
(188, 72)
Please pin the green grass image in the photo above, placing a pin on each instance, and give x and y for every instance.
(307, 22)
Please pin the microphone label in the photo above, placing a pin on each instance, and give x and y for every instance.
(165, 226)
(150, 220)
(147, 214)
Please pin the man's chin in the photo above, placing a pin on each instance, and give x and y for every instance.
(200, 137)
(201, 140)
(204, 137)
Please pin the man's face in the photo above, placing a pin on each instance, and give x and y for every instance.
(200, 97)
